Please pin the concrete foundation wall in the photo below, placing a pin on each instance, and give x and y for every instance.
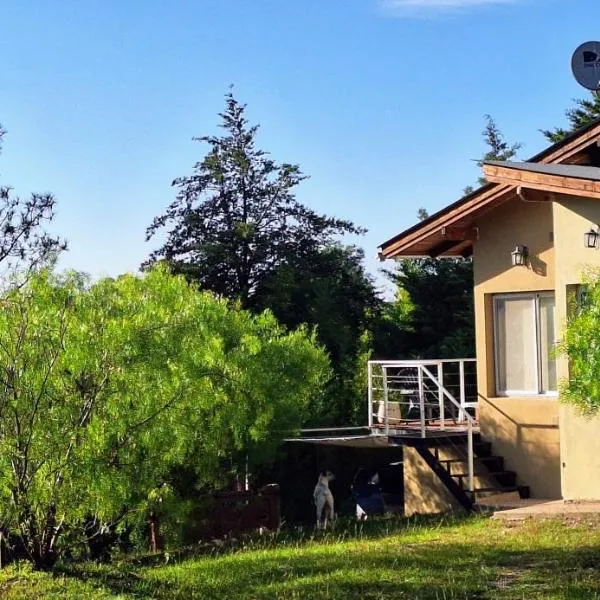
(424, 493)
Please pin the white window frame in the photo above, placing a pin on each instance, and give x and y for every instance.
(537, 345)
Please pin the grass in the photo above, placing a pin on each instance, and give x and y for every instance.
(469, 558)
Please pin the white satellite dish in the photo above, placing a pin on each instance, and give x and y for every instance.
(585, 65)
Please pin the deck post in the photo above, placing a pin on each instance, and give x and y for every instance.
(440, 378)
(385, 400)
(370, 393)
(470, 454)
(421, 401)
(463, 399)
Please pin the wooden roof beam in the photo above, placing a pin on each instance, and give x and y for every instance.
(558, 184)
(487, 196)
(442, 247)
(531, 195)
(460, 234)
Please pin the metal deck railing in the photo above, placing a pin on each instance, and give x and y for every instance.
(424, 398)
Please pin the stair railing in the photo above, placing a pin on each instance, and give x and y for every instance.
(405, 385)
(465, 415)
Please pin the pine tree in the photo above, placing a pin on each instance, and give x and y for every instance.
(24, 243)
(498, 148)
(584, 112)
(235, 220)
(417, 324)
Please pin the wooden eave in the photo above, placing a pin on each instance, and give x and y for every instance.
(547, 182)
(427, 238)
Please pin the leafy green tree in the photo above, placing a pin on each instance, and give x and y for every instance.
(329, 289)
(583, 113)
(23, 240)
(579, 344)
(105, 389)
(235, 220)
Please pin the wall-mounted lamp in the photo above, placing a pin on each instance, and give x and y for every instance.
(519, 256)
(590, 238)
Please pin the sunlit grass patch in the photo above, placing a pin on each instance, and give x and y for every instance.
(418, 558)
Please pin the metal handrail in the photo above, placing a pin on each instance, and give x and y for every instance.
(423, 389)
(470, 423)
(418, 361)
(446, 392)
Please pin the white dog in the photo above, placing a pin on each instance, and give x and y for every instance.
(324, 499)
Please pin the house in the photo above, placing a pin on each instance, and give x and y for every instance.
(526, 232)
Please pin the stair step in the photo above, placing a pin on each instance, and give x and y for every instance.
(503, 478)
(493, 463)
(483, 473)
(524, 491)
(482, 459)
(485, 491)
(493, 473)
(482, 449)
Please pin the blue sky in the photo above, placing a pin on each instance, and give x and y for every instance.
(381, 102)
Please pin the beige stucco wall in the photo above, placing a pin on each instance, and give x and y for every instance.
(523, 430)
(580, 438)
(424, 493)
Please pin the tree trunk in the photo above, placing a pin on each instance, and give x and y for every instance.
(154, 533)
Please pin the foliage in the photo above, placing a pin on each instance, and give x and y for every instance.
(432, 315)
(106, 388)
(497, 148)
(393, 330)
(235, 220)
(579, 343)
(583, 113)
(329, 289)
(23, 241)
(436, 299)
(237, 228)
(434, 558)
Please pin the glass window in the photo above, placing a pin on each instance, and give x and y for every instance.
(524, 344)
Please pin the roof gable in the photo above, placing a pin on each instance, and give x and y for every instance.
(450, 231)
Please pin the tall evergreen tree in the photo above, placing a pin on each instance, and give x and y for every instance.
(432, 315)
(236, 219)
(584, 112)
(497, 147)
(23, 240)
(435, 297)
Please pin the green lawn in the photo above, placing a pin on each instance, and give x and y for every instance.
(476, 558)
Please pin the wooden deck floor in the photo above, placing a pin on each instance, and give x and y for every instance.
(432, 428)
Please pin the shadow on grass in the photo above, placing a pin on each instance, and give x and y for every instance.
(395, 567)
(345, 529)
